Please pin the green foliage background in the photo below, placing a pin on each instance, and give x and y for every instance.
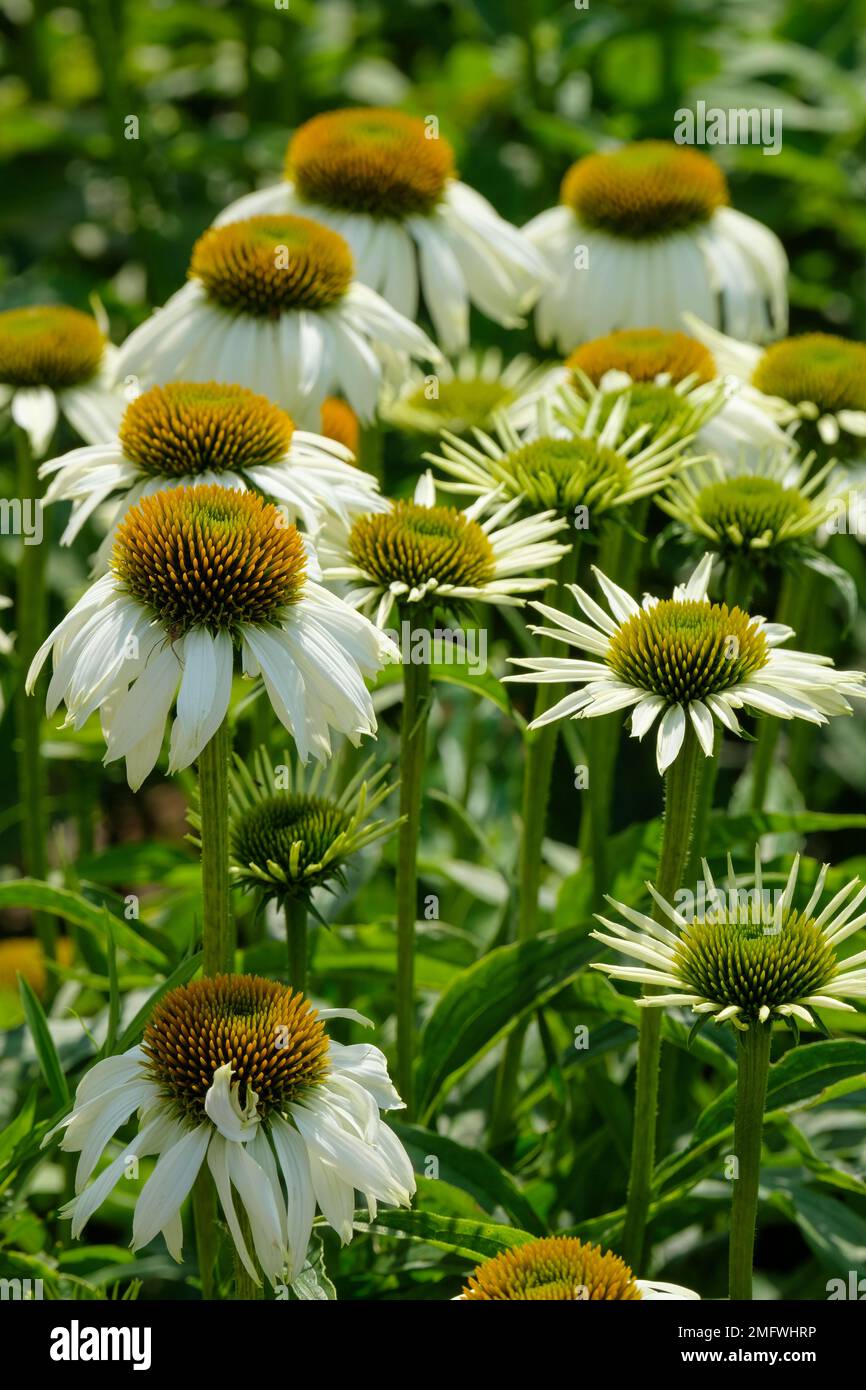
(521, 88)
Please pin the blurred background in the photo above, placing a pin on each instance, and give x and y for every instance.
(124, 128)
(521, 88)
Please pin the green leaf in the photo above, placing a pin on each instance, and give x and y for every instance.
(833, 1231)
(470, 1169)
(44, 1044)
(474, 1240)
(487, 999)
(482, 683)
(805, 1076)
(313, 1284)
(595, 991)
(801, 1075)
(725, 832)
(61, 902)
(113, 991)
(18, 1128)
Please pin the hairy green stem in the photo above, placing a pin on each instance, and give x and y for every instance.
(218, 953)
(795, 596)
(296, 941)
(207, 1232)
(413, 740)
(739, 584)
(620, 557)
(246, 1288)
(31, 621)
(681, 790)
(539, 754)
(217, 929)
(753, 1065)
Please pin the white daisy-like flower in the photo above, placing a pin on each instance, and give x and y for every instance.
(643, 233)
(683, 661)
(418, 553)
(189, 433)
(746, 955)
(466, 394)
(239, 1072)
(569, 456)
(776, 506)
(675, 381)
(563, 1269)
(814, 381)
(57, 361)
(386, 182)
(196, 573)
(273, 303)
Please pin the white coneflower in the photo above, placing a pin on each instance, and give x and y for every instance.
(674, 382)
(466, 394)
(681, 661)
(567, 457)
(418, 553)
(295, 833)
(747, 956)
(239, 1072)
(206, 432)
(272, 303)
(817, 380)
(56, 361)
(386, 182)
(771, 510)
(195, 573)
(643, 233)
(563, 1269)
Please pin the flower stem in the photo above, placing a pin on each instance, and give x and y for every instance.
(539, 753)
(753, 1065)
(681, 789)
(218, 951)
(413, 739)
(621, 553)
(207, 1237)
(296, 941)
(794, 598)
(30, 618)
(739, 584)
(217, 932)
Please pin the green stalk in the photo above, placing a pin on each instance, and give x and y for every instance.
(245, 1288)
(739, 584)
(539, 753)
(207, 1232)
(795, 597)
(217, 931)
(31, 623)
(218, 950)
(296, 941)
(753, 1065)
(620, 560)
(681, 790)
(413, 740)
